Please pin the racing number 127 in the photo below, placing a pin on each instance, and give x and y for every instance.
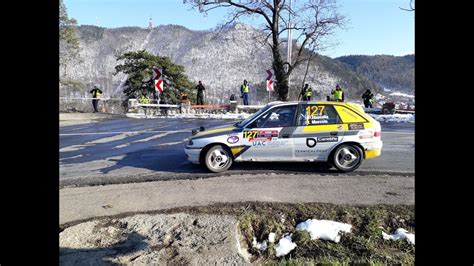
(313, 110)
(250, 134)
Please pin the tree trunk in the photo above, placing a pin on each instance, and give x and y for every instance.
(280, 75)
(278, 64)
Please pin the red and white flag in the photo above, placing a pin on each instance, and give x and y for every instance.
(269, 81)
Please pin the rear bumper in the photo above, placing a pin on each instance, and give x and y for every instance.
(373, 149)
(193, 154)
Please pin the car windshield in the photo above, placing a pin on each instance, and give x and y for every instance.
(245, 121)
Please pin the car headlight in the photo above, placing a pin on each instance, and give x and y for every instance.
(190, 142)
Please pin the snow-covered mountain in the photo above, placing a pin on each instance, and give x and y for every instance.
(221, 59)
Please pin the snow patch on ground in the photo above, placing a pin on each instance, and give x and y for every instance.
(324, 229)
(284, 246)
(399, 118)
(400, 234)
(259, 245)
(402, 95)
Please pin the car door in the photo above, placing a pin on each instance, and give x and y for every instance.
(319, 129)
(269, 137)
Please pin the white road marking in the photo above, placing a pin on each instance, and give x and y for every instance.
(73, 148)
(171, 143)
(97, 141)
(73, 157)
(142, 140)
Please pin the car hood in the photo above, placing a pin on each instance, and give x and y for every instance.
(216, 132)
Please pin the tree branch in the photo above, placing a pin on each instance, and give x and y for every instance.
(411, 7)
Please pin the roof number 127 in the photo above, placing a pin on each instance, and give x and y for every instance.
(313, 110)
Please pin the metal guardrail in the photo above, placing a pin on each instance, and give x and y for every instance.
(67, 98)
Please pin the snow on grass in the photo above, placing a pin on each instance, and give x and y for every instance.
(284, 246)
(259, 245)
(324, 229)
(399, 118)
(400, 234)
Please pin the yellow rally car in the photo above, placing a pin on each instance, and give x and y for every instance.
(341, 134)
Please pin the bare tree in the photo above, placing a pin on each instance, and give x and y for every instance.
(412, 7)
(313, 20)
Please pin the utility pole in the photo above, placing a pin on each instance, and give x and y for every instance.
(289, 42)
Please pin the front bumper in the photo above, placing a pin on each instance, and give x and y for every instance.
(193, 154)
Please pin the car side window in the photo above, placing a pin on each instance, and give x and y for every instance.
(317, 114)
(283, 116)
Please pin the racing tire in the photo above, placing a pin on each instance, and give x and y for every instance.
(347, 157)
(218, 159)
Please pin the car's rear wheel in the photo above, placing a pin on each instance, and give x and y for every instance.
(347, 157)
(218, 159)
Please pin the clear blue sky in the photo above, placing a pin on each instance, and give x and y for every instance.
(374, 27)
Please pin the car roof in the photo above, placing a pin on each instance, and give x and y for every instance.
(311, 102)
(353, 105)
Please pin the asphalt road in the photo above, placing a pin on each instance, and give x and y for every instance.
(83, 203)
(128, 150)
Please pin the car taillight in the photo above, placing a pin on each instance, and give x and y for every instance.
(377, 134)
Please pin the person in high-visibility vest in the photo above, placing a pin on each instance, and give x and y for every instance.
(244, 89)
(96, 92)
(338, 94)
(144, 99)
(306, 92)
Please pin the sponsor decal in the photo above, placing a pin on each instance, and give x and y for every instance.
(259, 143)
(355, 126)
(311, 142)
(340, 127)
(315, 122)
(327, 139)
(268, 133)
(261, 135)
(305, 151)
(318, 117)
(232, 139)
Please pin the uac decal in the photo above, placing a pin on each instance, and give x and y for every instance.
(259, 143)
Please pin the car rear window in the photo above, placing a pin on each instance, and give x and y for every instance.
(349, 116)
(317, 114)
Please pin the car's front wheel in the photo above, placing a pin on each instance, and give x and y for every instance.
(347, 157)
(218, 159)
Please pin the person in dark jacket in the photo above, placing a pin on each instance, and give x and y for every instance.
(200, 93)
(96, 92)
(368, 99)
